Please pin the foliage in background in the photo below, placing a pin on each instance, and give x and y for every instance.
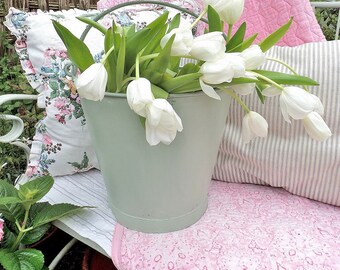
(13, 81)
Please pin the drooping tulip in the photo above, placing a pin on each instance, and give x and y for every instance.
(316, 127)
(91, 84)
(253, 57)
(296, 102)
(139, 95)
(253, 125)
(208, 47)
(226, 68)
(162, 122)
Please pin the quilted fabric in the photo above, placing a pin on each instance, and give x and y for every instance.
(265, 16)
(245, 227)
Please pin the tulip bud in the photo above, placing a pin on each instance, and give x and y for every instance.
(139, 95)
(226, 68)
(229, 10)
(91, 84)
(316, 127)
(162, 122)
(253, 125)
(296, 102)
(208, 47)
(253, 57)
(182, 43)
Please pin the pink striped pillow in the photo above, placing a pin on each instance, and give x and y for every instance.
(288, 157)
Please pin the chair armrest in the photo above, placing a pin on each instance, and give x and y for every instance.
(17, 123)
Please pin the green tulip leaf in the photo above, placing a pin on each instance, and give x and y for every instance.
(111, 62)
(288, 79)
(179, 81)
(237, 38)
(94, 24)
(159, 92)
(174, 22)
(214, 20)
(120, 64)
(273, 38)
(77, 50)
(189, 68)
(259, 93)
(190, 87)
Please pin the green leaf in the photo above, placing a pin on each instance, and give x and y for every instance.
(25, 259)
(287, 79)
(192, 86)
(77, 50)
(179, 81)
(54, 212)
(54, 85)
(111, 62)
(94, 24)
(11, 211)
(36, 189)
(159, 92)
(9, 200)
(237, 38)
(174, 22)
(120, 67)
(214, 20)
(189, 68)
(259, 94)
(35, 235)
(159, 65)
(273, 38)
(245, 44)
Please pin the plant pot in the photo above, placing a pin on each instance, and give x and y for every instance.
(159, 188)
(94, 260)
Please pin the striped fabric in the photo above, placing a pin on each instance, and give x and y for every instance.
(288, 157)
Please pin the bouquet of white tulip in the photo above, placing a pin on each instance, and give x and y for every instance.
(145, 64)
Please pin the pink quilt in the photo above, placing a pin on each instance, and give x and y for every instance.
(245, 227)
(265, 16)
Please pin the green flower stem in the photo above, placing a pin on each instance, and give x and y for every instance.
(137, 66)
(107, 55)
(237, 98)
(230, 28)
(287, 66)
(267, 80)
(21, 229)
(141, 60)
(128, 80)
(198, 18)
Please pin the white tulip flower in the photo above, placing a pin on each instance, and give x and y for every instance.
(139, 95)
(229, 10)
(226, 68)
(91, 84)
(297, 103)
(316, 127)
(253, 57)
(244, 88)
(182, 43)
(162, 122)
(253, 125)
(208, 47)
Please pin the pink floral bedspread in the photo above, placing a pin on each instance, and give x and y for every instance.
(245, 227)
(265, 16)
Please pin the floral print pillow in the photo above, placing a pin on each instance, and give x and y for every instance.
(62, 144)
